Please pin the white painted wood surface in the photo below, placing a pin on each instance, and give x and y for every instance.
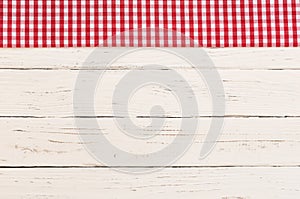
(223, 58)
(244, 141)
(257, 155)
(229, 183)
(248, 93)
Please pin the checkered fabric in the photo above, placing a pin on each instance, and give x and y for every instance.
(144, 23)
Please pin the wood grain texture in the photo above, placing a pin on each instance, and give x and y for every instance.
(223, 58)
(43, 93)
(223, 183)
(244, 141)
(257, 155)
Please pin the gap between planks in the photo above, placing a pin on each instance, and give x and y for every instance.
(158, 167)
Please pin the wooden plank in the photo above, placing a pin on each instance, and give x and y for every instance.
(224, 58)
(43, 93)
(257, 151)
(224, 183)
(244, 141)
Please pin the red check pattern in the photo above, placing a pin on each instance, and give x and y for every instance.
(208, 23)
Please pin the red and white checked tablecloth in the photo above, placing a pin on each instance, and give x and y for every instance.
(209, 23)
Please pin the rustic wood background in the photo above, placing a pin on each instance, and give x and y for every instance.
(257, 156)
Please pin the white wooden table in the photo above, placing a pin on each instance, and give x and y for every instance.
(257, 155)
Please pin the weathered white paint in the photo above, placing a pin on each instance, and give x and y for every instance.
(223, 183)
(257, 156)
(248, 93)
(223, 58)
(244, 141)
